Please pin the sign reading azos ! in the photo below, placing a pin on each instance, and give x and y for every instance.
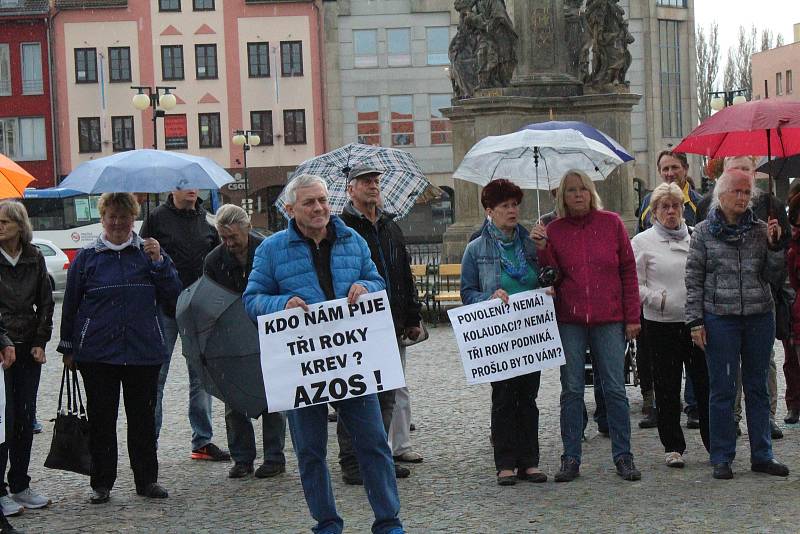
(334, 351)
(499, 341)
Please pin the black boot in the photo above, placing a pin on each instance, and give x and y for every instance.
(650, 420)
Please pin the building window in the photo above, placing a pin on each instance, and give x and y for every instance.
(85, 65)
(778, 83)
(368, 124)
(401, 110)
(32, 82)
(9, 134)
(789, 82)
(294, 126)
(32, 140)
(398, 43)
(670, 65)
(89, 134)
(291, 58)
(258, 60)
(210, 131)
(205, 60)
(169, 5)
(122, 133)
(172, 62)
(365, 48)
(441, 132)
(261, 122)
(438, 41)
(120, 63)
(203, 5)
(5, 71)
(671, 3)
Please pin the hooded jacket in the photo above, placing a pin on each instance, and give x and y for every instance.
(283, 268)
(111, 305)
(387, 248)
(597, 271)
(26, 298)
(186, 236)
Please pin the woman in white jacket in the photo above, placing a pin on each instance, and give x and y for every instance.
(661, 253)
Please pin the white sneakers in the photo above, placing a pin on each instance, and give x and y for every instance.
(9, 506)
(674, 459)
(30, 499)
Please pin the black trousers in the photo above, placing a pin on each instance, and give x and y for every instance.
(347, 454)
(22, 384)
(644, 358)
(139, 384)
(672, 349)
(515, 422)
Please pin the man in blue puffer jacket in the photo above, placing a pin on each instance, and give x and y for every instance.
(319, 258)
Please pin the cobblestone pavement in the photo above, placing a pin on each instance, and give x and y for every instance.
(452, 491)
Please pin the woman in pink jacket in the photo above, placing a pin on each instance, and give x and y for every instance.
(597, 306)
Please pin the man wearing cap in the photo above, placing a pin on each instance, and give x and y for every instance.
(388, 250)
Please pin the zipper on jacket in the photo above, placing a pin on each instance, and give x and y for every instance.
(83, 332)
(160, 332)
(741, 287)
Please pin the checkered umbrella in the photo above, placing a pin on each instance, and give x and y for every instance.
(402, 181)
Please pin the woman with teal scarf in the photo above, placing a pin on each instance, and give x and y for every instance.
(499, 263)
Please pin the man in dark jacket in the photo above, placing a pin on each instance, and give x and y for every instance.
(388, 251)
(180, 226)
(229, 265)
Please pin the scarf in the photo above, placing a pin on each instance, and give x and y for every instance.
(112, 246)
(679, 234)
(730, 233)
(517, 269)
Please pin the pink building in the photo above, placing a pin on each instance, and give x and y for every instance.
(775, 71)
(232, 64)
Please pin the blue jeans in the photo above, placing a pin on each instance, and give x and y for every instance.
(199, 400)
(728, 336)
(607, 343)
(242, 438)
(362, 418)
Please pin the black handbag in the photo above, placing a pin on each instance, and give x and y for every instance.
(69, 450)
(784, 300)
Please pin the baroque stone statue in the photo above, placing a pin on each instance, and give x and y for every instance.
(577, 38)
(610, 38)
(486, 33)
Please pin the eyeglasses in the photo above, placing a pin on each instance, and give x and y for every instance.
(119, 218)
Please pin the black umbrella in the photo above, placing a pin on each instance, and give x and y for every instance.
(782, 167)
(223, 343)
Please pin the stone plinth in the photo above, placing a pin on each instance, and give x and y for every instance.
(475, 118)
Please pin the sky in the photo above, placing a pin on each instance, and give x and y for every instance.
(778, 15)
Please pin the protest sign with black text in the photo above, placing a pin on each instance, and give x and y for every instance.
(331, 352)
(498, 341)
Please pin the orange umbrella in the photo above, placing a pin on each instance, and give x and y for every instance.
(13, 178)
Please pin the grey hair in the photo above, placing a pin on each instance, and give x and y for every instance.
(304, 180)
(231, 215)
(16, 212)
(724, 182)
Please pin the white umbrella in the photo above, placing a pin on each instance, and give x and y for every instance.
(536, 159)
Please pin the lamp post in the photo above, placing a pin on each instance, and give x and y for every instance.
(246, 139)
(147, 97)
(723, 99)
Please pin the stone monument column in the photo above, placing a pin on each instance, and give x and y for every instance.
(551, 81)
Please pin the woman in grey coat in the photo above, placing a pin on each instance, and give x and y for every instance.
(732, 259)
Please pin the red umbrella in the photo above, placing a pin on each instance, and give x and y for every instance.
(759, 128)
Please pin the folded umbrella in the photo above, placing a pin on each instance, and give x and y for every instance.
(401, 183)
(13, 178)
(146, 171)
(222, 342)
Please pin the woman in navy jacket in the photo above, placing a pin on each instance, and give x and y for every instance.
(112, 329)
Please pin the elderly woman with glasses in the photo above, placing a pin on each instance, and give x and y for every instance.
(661, 253)
(112, 329)
(733, 258)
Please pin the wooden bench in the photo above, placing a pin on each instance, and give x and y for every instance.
(447, 286)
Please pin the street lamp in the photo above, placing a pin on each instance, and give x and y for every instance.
(148, 97)
(246, 139)
(723, 99)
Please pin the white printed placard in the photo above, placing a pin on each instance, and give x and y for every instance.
(334, 351)
(499, 341)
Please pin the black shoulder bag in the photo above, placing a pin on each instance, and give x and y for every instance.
(69, 450)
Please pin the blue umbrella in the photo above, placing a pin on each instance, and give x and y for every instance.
(146, 171)
(587, 131)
